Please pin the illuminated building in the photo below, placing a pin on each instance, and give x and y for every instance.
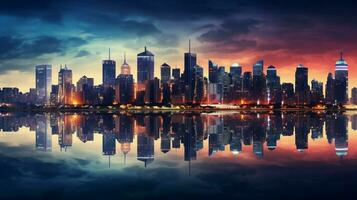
(43, 83)
(341, 81)
(65, 87)
(108, 72)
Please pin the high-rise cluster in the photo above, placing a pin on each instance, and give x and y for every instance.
(258, 87)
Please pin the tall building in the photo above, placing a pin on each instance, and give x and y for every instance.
(301, 85)
(43, 83)
(212, 72)
(341, 81)
(258, 68)
(65, 87)
(176, 73)
(108, 72)
(330, 89)
(354, 96)
(190, 61)
(124, 85)
(316, 92)
(145, 64)
(165, 70)
(199, 84)
(153, 92)
(288, 95)
(84, 88)
(273, 86)
(259, 83)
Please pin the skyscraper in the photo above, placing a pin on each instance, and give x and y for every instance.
(124, 85)
(176, 73)
(145, 64)
(316, 92)
(199, 84)
(43, 83)
(190, 61)
(153, 92)
(108, 72)
(341, 81)
(165, 70)
(258, 68)
(301, 85)
(212, 72)
(236, 71)
(354, 96)
(330, 89)
(273, 86)
(65, 85)
(259, 83)
(85, 90)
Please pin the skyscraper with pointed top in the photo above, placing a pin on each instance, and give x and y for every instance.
(108, 72)
(190, 61)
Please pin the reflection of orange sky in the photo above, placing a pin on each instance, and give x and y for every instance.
(318, 150)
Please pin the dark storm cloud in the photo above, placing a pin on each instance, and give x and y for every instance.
(45, 10)
(13, 47)
(229, 28)
(303, 26)
(228, 46)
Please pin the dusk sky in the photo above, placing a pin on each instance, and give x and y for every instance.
(79, 33)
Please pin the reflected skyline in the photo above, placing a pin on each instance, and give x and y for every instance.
(148, 135)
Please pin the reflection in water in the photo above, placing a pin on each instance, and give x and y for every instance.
(191, 155)
(188, 131)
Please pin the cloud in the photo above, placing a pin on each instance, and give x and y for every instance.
(82, 53)
(229, 29)
(46, 10)
(21, 53)
(13, 47)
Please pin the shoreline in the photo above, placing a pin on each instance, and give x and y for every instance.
(201, 110)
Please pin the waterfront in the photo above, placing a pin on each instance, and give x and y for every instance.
(178, 155)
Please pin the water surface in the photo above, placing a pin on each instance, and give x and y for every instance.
(178, 155)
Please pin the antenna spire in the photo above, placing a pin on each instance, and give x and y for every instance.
(124, 57)
(189, 45)
(341, 55)
(145, 48)
(109, 53)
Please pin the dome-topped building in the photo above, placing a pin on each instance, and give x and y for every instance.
(125, 67)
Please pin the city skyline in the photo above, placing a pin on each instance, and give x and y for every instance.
(218, 32)
(191, 87)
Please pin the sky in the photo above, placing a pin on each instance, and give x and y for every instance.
(79, 33)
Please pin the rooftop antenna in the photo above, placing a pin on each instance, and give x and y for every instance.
(341, 55)
(109, 53)
(124, 57)
(189, 45)
(145, 48)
